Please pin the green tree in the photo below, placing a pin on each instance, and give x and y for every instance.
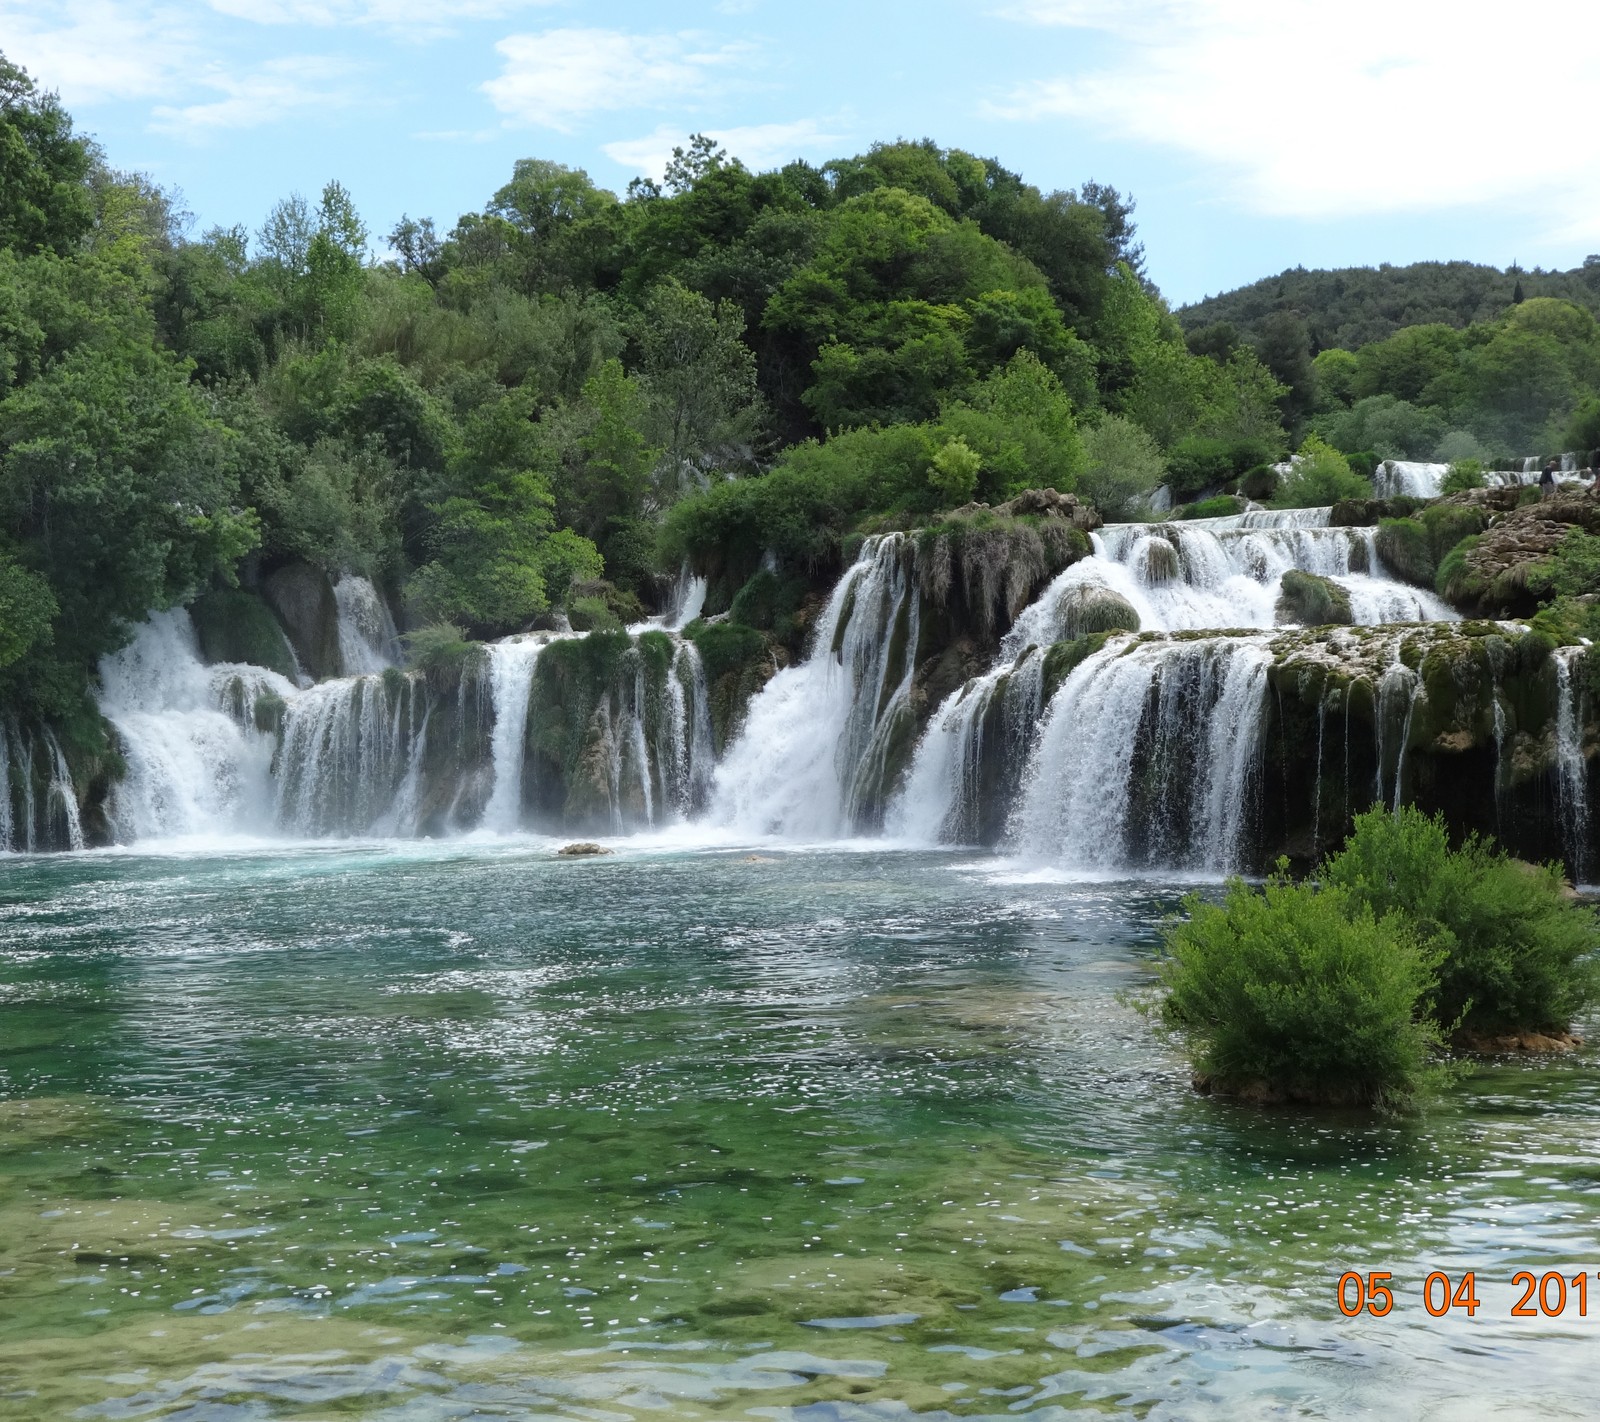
(44, 200)
(1122, 467)
(1320, 475)
(699, 379)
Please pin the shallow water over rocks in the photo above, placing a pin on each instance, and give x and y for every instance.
(468, 1130)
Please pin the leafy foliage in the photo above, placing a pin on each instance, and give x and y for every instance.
(1299, 992)
(1515, 953)
(1320, 475)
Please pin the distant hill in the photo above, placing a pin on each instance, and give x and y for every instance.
(1354, 305)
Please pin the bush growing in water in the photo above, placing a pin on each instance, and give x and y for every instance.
(1516, 954)
(1335, 992)
(1321, 475)
(1300, 993)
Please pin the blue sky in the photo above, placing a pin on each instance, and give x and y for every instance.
(1254, 134)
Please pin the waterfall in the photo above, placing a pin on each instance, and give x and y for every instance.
(693, 772)
(1403, 476)
(7, 819)
(795, 769)
(197, 764)
(969, 764)
(688, 601)
(510, 669)
(368, 641)
(1147, 755)
(1572, 770)
(350, 750)
(63, 794)
(1395, 706)
(1224, 572)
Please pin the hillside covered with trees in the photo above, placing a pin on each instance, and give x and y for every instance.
(1354, 306)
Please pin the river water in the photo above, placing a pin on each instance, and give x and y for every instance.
(430, 1132)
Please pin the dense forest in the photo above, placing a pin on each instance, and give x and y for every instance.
(552, 404)
(1354, 306)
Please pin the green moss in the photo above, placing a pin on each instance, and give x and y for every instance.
(268, 712)
(737, 661)
(238, 626)
(1407, 551)
(1455, 580)
(1312, 601)
(1063, 657)
(772, 603)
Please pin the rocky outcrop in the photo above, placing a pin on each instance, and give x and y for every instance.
(1497, 573)
(303, 598)
(1311, 601)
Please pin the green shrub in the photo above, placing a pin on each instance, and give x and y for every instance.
(592, 614)
(772, 604)
(1218, 507)
(1198, 463)
(1464, 474)
(1299, 993)
(441, 649)
(1124, 467)
(1320, 476)
(1259, 484)
(953, 473)
(1516, 955)
(1364, 462)
(1406, 550)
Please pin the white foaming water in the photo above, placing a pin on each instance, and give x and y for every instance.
(811, 730)
(368, 641)
(511, 666)
(197, 765)
(1223, 572)
(1405, 476)
(1572, 771)
(7, 822)
(1193, 709)
(688, 601)
(351, 751)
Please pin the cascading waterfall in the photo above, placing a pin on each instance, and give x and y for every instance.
(511, 665)
(1409, 477)
(350, 749)
(368, 641)
(7, 819)
(796, 769)
(198, 760)
(1206, 573)
(693, 769)
(1146, 756)
(1572, 772)
(970, 761)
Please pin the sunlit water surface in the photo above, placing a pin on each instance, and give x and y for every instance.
(436, 1133)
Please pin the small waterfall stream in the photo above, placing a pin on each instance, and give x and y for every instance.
(511, 665)
(368, 641)
(1572, 780)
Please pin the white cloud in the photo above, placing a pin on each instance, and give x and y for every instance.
(91, 50)
(760, 146)
(560, 77)
(410, 17)
(278, 89)
(1321, 110)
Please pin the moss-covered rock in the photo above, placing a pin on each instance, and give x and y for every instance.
(1312, 601)
(738, 662)
(1406, 551)
(302, 597)
(1062, 658)
(232, 625)
(982, 566)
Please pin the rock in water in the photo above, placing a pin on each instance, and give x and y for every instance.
(584, 849)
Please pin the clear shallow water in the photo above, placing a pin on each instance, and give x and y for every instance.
(429, 1133)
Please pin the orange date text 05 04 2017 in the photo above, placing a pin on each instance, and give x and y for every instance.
(1542, 1295)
